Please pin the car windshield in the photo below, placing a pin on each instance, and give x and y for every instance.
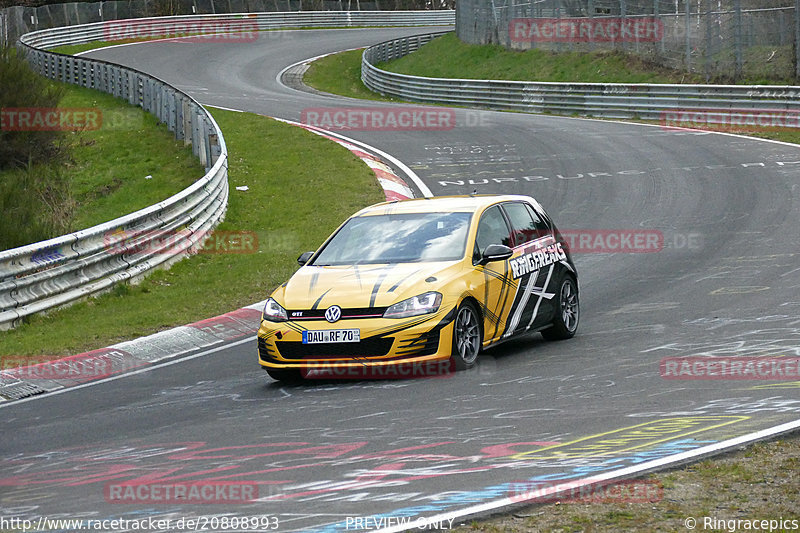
(398, 238)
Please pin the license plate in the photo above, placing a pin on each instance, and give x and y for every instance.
(331, 335)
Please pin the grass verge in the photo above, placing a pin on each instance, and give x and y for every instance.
(448, 57)
(129, 162)
(288, 206)
(124, 162)
(341, 73)
(761, 482)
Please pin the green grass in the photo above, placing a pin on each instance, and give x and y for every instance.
(340, 74)
(297, 195)
(105, 170)
(448, 57)
(111, 165)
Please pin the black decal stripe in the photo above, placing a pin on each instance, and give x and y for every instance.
(488, 313)
(485, 290)
(518, 298)
(393, 287)
(545, 283)
(377, 286)
(402, 326)
(504, 290)
(316, 304)
(298, 328)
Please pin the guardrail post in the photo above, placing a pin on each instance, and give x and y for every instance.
(214, 149)
(186, 119)
(737, 38)
(797, 39)
(688, 27)
(708, 53)
(172, 113)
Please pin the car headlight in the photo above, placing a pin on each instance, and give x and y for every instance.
(418, 305)
(274, 312)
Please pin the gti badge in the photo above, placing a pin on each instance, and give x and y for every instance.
(333, 313)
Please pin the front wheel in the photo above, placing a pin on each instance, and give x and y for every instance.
(565, 322)
(285, 375)
(466, 336)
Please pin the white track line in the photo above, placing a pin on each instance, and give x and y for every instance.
(156, 366)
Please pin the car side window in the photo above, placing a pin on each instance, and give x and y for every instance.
(492, 229)
(525, 224)
(540, 220)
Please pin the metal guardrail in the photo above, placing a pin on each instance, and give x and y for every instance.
(610, 100)
(59, 271)
(238, 23)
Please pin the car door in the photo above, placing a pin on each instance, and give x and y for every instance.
(495, 289)
(534, 266)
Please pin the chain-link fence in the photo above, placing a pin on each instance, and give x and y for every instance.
(752, 40)
(17, 21)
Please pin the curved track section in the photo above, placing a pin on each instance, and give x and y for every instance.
(324, 453)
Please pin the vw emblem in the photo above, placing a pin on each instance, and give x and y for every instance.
(333, 313)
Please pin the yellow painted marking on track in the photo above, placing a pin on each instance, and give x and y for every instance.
(768, 386)
(631, 438)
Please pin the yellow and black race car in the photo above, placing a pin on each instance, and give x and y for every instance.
(421, 282)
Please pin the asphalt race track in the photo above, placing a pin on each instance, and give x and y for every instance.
(725, 284)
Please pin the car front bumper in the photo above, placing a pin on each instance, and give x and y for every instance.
(383, 342)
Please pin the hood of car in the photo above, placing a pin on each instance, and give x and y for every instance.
(360, 286)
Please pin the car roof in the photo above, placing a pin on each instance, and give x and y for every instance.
(438, 204)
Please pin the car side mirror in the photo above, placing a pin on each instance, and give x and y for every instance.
(496, 252)
(304, 257)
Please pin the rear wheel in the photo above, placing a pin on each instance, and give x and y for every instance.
(285, 375)
(565, 322)
(466, 336)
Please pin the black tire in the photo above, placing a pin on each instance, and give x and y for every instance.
(467, 336)
(285, 375)
(567, 313)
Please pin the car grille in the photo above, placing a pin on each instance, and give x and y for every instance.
(297, 315)
(371, 347)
